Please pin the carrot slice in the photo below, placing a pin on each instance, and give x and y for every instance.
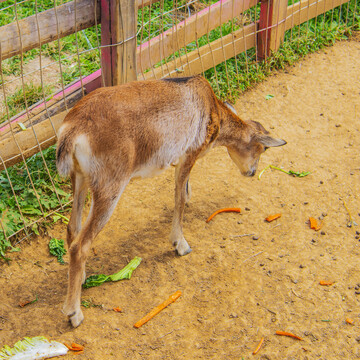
(314, 224)
(284, 333)
(325, 283)
(271, 218)
(74, 347)
(77, 347)
(23, 304)
(258, 347)
(117, 309)
(157, 309)
(223, 210)
(349, 321)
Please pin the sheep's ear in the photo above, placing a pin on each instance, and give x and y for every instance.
(269, 141)
(230, 107)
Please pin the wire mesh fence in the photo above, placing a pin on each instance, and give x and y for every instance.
(53, 52)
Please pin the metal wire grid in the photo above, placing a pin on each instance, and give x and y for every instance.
(153, 21)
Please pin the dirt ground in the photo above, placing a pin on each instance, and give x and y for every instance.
(235, 290)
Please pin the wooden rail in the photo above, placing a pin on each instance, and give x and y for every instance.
(52, 24)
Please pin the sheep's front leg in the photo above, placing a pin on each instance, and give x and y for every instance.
(182, 173)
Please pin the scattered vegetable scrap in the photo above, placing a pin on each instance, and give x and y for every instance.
(157, 309)
(79, 349)
(33, 348)
(284, 333)
(325, 283)
(75, 347)
(117, 309)
(56, 248)
(290, 172)
(351, 222)
(28, 302)
(271, 218)
(223, 210)
(125, 273)
(314, 224)
(350, 321)
(258, 347)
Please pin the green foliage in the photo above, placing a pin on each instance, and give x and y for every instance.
(125, 273)
(33, 94)
(56, 248)
(26, 193)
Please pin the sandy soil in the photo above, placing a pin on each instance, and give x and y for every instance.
(236, 290)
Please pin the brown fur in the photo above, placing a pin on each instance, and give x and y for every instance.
(137, 129)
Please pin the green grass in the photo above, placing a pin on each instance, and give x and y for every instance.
(29, 187)
(33, 94)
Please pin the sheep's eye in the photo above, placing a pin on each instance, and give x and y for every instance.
(265, 148)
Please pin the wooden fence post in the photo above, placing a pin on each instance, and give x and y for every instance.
(271, 28)
(118, 35)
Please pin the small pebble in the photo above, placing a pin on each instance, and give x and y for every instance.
(321, 182)
(337, 125)
(321, 217)
(358, 339)
(356, 287)
(323, 232)
(239, 222)
(233, 316)
(301, 266)
(357, 232)
(334, 257)
(321, 254)
(313, 241)
(357, 237)
(295, 281)
(262, 264)
(305, 203)
(247, 209)
(255, 237)
(324, 214)
(357, 292)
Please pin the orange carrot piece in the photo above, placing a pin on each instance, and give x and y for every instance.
(157, 309)
(271, 218)
(77, 347)
(79, 352)
(223, 210)
(117, 309)
(23, 304)
(349, 321)
(284, 333)
(325, 283)
(314, 225)
(258, 347)
(74, 347)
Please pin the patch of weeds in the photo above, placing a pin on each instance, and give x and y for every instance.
(88, 303)
(56, 248)
(26, 194)
(33, 94)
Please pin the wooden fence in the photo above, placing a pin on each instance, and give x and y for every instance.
(125, 58)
